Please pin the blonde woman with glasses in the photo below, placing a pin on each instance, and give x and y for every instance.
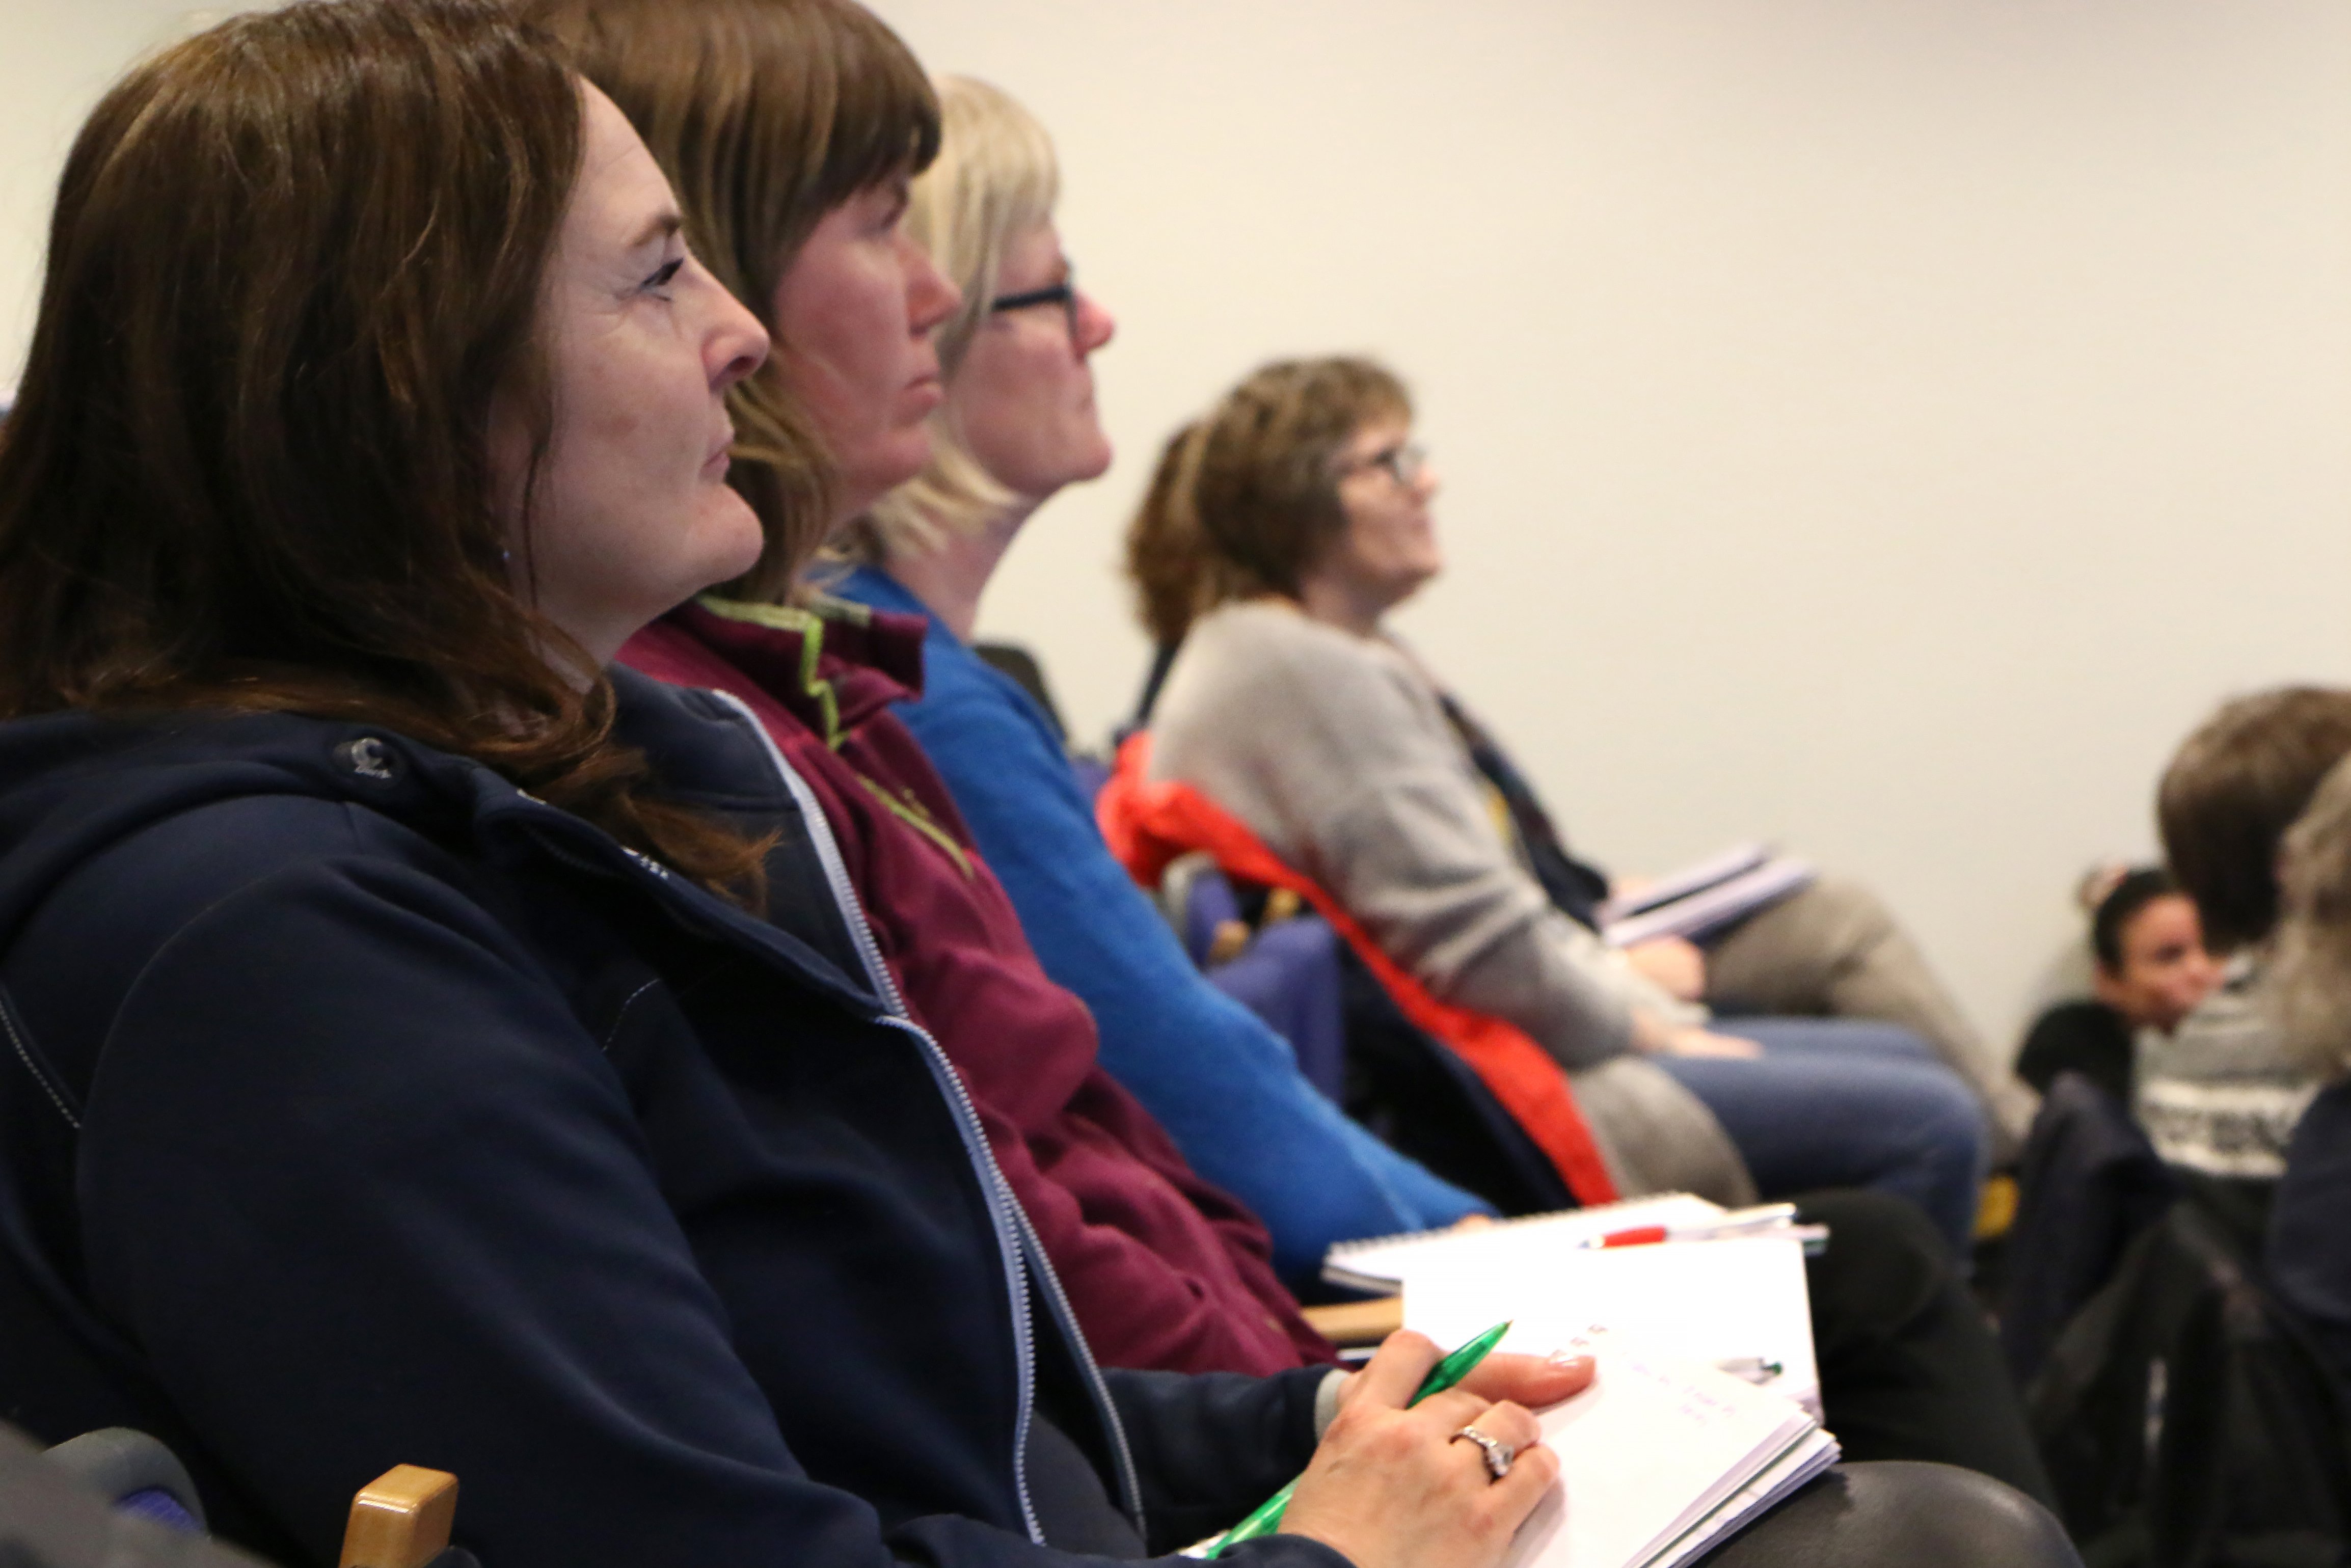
(1019, 423)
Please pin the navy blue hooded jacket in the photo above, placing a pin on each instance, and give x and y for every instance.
(357, 1108)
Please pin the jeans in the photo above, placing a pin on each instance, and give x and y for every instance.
(1835, 950)
(1844, 1102)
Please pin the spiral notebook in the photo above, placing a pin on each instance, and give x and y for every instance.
(1660, 1459)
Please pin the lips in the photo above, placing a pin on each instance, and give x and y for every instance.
(715, 462)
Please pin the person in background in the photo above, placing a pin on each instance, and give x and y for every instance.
(2148, 968)
(2307, 1251)
(1278, 531)
(2220, 1094)
(1830, 949)
(1018, 423)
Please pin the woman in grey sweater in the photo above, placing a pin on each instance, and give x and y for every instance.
(1280, 531)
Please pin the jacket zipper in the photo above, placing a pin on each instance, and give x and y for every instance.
(1014, 1237)
(1130, 1485)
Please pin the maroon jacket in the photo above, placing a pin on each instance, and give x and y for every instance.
(1163, 1270)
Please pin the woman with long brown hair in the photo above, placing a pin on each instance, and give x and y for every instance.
(394, 1070)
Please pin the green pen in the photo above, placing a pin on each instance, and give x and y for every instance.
(1442, 1377)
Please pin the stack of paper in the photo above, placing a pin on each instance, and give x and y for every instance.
(1660, 1459)
(1702, 899)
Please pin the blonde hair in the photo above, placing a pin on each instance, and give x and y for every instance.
(2309, 976)
(995, 179)
(1247, 497)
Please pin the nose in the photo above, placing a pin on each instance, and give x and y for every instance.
(736, 344)
(1096, 325)
(930, 297)
(1427, 481)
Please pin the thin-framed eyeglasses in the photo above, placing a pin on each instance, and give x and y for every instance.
(1063, 294)
(1405, 462)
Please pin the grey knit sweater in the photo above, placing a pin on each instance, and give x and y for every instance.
(2222, 1093)
(1334, 751)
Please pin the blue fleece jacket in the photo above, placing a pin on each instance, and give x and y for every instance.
(1224, 1084)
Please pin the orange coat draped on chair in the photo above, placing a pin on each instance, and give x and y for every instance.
(1151, 822)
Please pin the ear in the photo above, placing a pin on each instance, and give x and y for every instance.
(2105, 984)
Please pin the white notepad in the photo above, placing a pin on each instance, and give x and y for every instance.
(1660, 1459)
(1707, 1302)
(1384, 1263)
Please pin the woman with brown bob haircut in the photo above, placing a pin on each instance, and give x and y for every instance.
(1280, 531)
(394, 1070)
(764, 113)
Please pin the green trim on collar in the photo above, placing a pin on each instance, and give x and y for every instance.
(809, 624)
(808, 620)
(848, 611)
(911, 812)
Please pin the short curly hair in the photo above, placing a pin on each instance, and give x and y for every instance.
(1246, 498)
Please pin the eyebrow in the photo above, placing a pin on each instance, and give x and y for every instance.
(664, 225)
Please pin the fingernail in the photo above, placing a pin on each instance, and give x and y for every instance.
(1567, 1362)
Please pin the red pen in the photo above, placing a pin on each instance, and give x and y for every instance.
(1639, 1236)
(1737, 1222)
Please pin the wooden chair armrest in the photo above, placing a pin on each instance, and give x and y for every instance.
(1351, 1323)
(401, 1519)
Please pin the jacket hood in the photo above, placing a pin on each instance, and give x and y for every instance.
(73, 785)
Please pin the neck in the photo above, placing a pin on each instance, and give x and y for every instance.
(950, 578)
(1339, 604)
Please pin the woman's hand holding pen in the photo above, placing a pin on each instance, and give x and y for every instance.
(1389, 1487)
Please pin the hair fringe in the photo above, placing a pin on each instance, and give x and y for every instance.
(765, 115)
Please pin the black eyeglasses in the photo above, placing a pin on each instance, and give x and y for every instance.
(1063, 294)
(1405, 462)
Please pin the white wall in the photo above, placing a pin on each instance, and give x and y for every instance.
(57, 57)
(1884, 425)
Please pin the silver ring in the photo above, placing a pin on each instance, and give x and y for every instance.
(1499, 1454)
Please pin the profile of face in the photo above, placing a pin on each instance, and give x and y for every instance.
(855, 313)
(1023, 397)
(2164, 970)
(1388, 548)
(629, 513)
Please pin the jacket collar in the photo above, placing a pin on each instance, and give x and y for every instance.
(875, 586)
(831, 663)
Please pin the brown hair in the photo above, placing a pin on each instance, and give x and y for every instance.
(766, 115)
(995, 180)
(292, 261)
(1245, 499)
(2231, 791)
